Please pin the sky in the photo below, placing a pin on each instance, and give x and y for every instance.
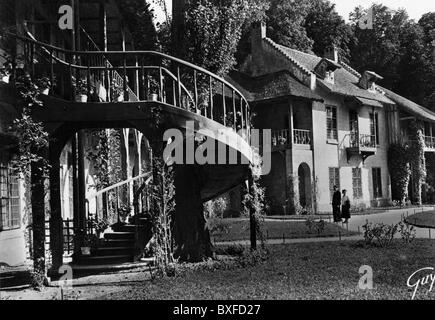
(415, 8)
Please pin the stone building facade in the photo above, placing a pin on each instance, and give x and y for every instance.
(330, 126)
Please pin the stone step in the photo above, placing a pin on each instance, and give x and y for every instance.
(9, 280)
(116, 243)
(113, 251)
(84, 270)
(104, 260)
(126, 228)
(119, 235)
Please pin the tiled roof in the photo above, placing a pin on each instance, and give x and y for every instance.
(346, 79)
(273, 85)
(410, 106)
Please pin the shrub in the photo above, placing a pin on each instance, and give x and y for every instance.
(309, 223)
(218, 226)
(232, 250)
(37, 279)
(407, 232)
(253, 257)
(382, 233)
(320, 226)
(215, 208)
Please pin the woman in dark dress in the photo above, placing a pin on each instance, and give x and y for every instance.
(336, 203)
(345, 207)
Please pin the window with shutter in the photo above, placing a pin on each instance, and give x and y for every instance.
(331, 123)
(357, 183)
(377, 183)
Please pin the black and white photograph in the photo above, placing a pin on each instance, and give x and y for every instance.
(216, 155)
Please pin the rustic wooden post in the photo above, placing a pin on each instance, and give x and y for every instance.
(56, 222)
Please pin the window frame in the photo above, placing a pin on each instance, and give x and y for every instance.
(336, 182)
(374, 126)
(331, 134)
(377, 182)
(357, 183)
(10, 200)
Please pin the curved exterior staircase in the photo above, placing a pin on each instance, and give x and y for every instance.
(176, 90)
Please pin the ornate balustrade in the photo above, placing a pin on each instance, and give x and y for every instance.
(302, 136)
(138, 76)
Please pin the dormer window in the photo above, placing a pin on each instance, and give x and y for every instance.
(329, 76)
(325, 70)
(368, 80)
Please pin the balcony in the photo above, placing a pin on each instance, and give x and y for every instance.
(363, 145)
(281, 139)
(429, 143)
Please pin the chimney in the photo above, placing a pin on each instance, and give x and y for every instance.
(258, 33)
(368, 80)
(331, 53)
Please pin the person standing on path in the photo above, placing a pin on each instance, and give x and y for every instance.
(345, 207)
(336, 202)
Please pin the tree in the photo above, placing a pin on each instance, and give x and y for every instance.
(427, 23)
(208, 36)
(326, 28)
(412, 68)
(212, 33)
(379, 49)
(139, 19)
(286, 21)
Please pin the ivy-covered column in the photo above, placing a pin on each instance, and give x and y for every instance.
(38, 215)
(400, 172)
(56, 221)
(416, 159)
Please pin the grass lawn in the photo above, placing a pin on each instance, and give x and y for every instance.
(423, 219)
(238, 229)
(300, 271)
(328, 270)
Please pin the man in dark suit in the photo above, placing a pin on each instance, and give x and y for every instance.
(336, 203)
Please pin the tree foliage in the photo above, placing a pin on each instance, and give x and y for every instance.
(400, 172)
(212, 33)
(400, 50)
(286, 21)
(326, 28)
(417, 160)
(139, 17)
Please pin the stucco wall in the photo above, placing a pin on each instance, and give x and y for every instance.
(12, 247)
(329, 154)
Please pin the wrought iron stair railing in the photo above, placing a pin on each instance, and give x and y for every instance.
(119, 199)
(156, 77)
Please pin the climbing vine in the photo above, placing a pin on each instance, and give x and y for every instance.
(31, 135)
(400, 171)
(163, 207)
(406, 161)
(255, 200)
(105, 156)
(416, 160)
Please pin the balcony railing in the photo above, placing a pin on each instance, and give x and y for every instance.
(302, 136)
(362, 141)
(155, 77)
(282, 138)
(429, 142)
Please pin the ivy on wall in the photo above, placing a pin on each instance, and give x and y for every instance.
(416, 160)
(406, 161)
(400, 171)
